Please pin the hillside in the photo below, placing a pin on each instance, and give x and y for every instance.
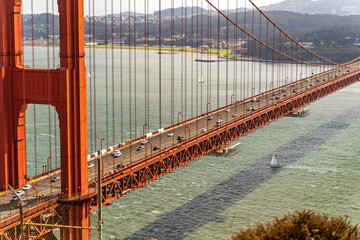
(339, 7)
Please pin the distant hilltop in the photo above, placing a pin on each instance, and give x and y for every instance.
(338, 7)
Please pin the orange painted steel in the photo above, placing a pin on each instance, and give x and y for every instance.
(140, 174)
(10, 228)
(12, 117)
(63, 88)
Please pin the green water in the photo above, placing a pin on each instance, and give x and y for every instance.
(324, 179)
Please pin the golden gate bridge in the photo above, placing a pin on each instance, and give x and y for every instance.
(218, 75)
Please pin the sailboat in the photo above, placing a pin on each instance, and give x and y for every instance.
(201, 80)
(273, 163)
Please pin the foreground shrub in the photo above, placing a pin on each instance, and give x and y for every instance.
(305, 225)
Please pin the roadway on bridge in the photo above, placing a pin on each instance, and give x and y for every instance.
(187, 129)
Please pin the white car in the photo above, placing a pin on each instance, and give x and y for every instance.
(20, 192)
(23, 204)
(26, 187)
(90, 165)
(203, 130)
(143, 142)
(55, 179)
(117, 153)
(218, 122)
(227, 110)
(170, 134)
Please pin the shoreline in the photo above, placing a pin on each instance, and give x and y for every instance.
(149, 49)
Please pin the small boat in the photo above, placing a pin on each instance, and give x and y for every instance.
(273, 163)
(201, 80)
(205, 60)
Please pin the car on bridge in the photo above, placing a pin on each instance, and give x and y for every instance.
(143, 142)
(180, 138)
(140, 147)
(219, 122)
(170, 134)
(20, 192)
(210, 118)
(26, 187)
(24, 203)
(90, 165)
(203, 130)
(55, 179)
(156, 148)
(117, 154)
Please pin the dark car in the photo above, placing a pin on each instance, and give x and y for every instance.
(180, 138)
(156, 148)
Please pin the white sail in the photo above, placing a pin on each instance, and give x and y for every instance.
(273, 160)
(201, 80)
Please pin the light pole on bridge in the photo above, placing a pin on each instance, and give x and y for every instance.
(179, 116)
(151, 149)
(49, 164)
(189, 131)
(100, 190)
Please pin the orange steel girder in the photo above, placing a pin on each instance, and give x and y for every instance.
(140, 174)
(64, 88)
(11, 227)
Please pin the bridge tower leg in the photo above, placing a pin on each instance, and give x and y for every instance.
(12, 116)
(73, 119)
(64, 88)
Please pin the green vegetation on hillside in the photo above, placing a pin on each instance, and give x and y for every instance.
(305, 225)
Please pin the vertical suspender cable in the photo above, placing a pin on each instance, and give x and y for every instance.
(185, 87)
(260, 55)
(218, 63)
(33, 66)
(197, 57)
(48, 76)
(91, 41)
(235, 47)
(148, 69)
(160, 49)
(201, 65)
(121, 77)
(208, 74)
(135, 75)
(172, 89)
(160, 105)
(182, 59)
(192, 58)
(253, 53)
(112, 72)
(106, 78)
(227, 58)
(130, 90)
(94, 75)
(145, 64)
(54, 111)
